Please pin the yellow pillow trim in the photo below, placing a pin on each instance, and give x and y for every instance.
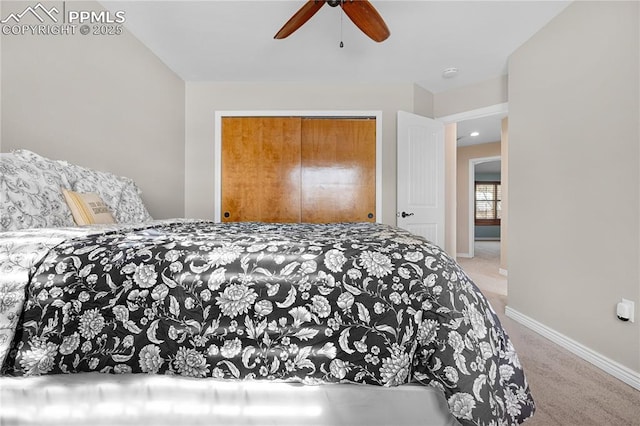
(87, 209)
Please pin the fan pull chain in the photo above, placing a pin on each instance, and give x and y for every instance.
(341, 20)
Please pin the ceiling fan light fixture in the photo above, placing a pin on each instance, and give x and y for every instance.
(449, 72)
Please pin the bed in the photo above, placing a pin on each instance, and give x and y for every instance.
(196, 322)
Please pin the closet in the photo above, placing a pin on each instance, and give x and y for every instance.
(298, 169)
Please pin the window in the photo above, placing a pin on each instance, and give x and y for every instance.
(488, 203)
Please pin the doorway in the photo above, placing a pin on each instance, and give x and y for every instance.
(461, 216)
(484, 203)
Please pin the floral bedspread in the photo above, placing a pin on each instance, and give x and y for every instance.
(360, 303)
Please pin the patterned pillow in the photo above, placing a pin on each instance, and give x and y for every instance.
(107, 185)
(120, 194)
(30, 193)
(131, 208)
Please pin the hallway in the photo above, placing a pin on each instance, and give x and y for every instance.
(484, 268)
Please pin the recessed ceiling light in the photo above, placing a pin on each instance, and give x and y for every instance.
(450, 72)
(474, 134)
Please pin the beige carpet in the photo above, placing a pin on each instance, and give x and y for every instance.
(485, 266)
(567, 390)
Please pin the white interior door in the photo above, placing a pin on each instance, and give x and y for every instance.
(420, 180)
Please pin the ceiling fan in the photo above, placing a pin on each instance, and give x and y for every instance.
(361, 12)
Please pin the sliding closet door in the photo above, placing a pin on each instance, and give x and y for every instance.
(338, 180)
(261, 169)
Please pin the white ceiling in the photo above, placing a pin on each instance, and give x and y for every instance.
(217, 40)
(489, 129)
(233, 40)
(489, 167)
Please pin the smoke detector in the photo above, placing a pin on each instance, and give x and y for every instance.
(449, 72)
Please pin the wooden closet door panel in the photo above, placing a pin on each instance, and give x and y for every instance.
(338, 179)
(261, 169)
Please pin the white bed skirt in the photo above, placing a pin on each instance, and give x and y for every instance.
(104, 399)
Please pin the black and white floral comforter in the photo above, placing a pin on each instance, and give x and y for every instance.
(362, 303)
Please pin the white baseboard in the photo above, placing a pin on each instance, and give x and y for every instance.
(503, 272)
(625, 374)
(464, 255)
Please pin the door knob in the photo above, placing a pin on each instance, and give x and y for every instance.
(405, 214)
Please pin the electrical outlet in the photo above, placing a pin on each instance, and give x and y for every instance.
(625, 310)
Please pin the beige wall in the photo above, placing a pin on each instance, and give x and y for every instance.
(203, 99)
(504, 188)
(574, 183)
(463, 209)
(450, 192)
(100, 101)
(468, 98)
(422, 101)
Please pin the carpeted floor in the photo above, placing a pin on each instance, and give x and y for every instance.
(567, 390)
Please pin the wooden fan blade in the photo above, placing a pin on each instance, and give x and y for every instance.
(367, 18)
(299, 18)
